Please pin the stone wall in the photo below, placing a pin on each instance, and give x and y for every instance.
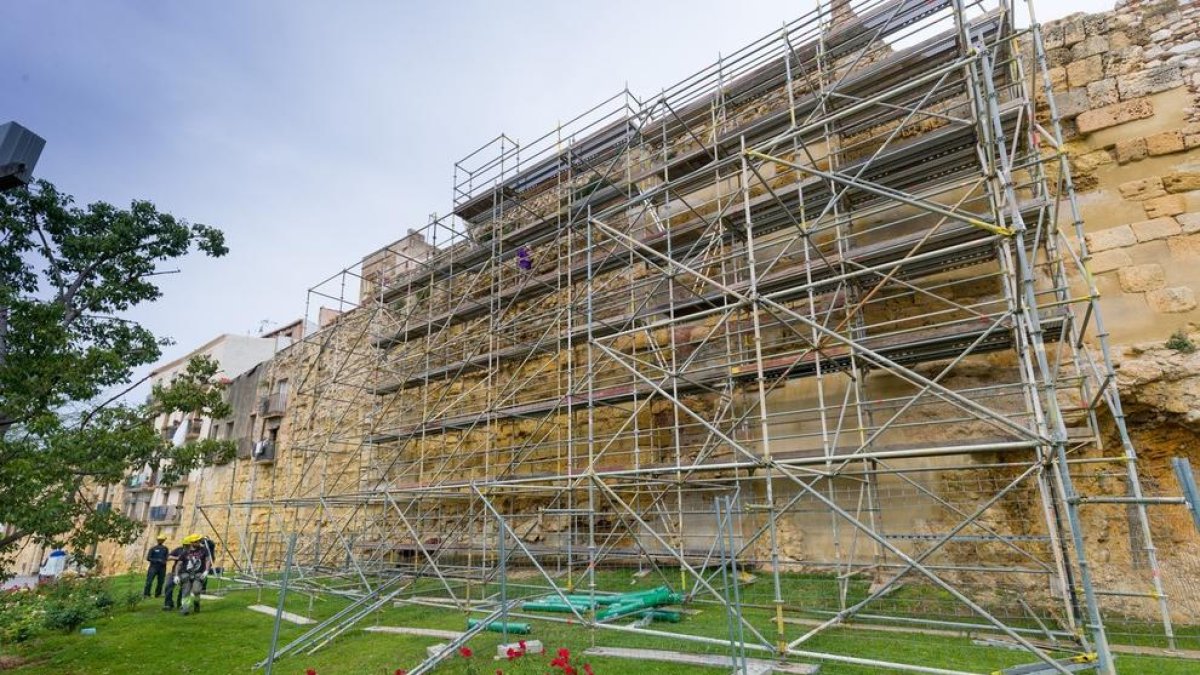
(1127, 84)
(1128, 88)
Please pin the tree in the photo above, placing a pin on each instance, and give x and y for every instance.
(68, 275)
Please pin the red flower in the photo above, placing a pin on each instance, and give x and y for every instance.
(521, 644)
(512, 654)
(401, 671)
(587, 668)
(310, 671)
(465, 651)
(564, 653)
(499, 672)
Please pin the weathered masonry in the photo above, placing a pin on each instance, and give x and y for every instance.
(837, 281)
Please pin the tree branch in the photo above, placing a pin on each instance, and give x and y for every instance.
(87, 417)
(14, 537)
(51, 259)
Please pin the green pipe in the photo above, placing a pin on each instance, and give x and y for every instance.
(662, 615)
(602, 600)
(618, 605)
(547, 605)
(623, 608)
(515, 627)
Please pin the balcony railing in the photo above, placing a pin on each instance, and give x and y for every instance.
(192, 433)
(167, 513)
(264, 451)
(142, 482)
(273, 405)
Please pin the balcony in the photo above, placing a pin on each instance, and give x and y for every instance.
(165, 514)
(193, 430)
(142, 482)
(264, 451)
(273, 405)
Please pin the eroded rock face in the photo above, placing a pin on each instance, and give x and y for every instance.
(1160, 383)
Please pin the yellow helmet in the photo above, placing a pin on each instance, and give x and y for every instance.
(191, 539)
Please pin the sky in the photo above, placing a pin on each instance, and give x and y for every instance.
(314, 132)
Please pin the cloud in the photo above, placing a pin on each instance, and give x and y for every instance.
(315, 132)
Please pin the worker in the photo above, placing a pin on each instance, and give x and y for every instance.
(192, 569)
(211, 547)
(157, 571)
(174, 591)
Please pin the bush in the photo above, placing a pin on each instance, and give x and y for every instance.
(132, 599)
(64, 605)
(103, 601)
(68, 614)
(1180, 342)
(21, 616)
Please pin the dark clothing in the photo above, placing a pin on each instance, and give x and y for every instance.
(211, 547)
(157, 556)
(174, 593)
(193, 568)
(156, 573)
(194, 561)
(176, 554)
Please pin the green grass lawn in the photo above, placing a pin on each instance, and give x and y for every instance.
(227, 638)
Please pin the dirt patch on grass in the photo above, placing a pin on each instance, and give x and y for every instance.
(11, 662)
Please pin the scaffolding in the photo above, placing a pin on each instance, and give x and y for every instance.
(834, 283)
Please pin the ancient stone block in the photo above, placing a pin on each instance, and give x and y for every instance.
(1091, 46)
(1072, 31)
(1191, 132)
(1142, 278)
(1164, 143)
(1058, 78)
(1185, 248)
(1159, 228)
(1142, 189)
(1079, 73)
(1056, 58)
(1102, 92)
(1112, 115)
(1131, 150)
(1123, 61)
(1071, 102)
(1090, 161)
(1113, 237)
(1189, 222)
(1096, 24)
(1150, 81)
(1181, 181)
(1107, 261)
(1172, 300)
(1183, 47)
(1052, 35)
(1160, 207)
